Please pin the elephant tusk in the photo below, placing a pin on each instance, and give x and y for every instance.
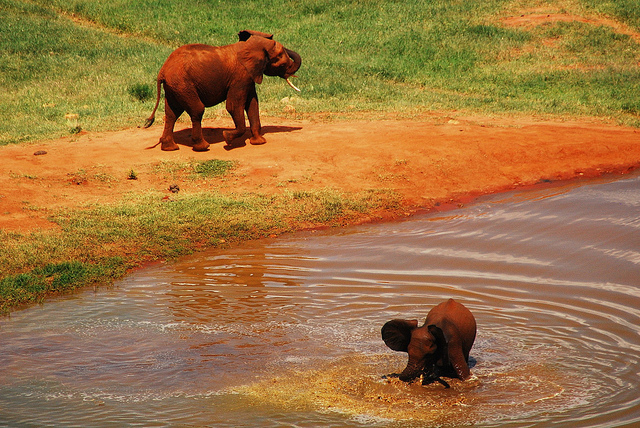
(292, 85)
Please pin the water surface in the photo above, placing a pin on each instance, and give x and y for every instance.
(286, 332)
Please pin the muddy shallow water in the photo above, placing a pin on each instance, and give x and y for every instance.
(286, 332)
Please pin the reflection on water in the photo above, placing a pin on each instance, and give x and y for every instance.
(286, 332)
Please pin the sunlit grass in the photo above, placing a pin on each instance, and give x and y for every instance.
(99, 59)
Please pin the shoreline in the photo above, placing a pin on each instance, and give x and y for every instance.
(311, 174)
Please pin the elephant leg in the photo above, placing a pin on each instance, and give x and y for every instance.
(172, 111)
(199, 143)
(458, 361)
(237, 113)
(253, 113)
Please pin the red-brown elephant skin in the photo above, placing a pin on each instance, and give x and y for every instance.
(440, 347)
(197, 76)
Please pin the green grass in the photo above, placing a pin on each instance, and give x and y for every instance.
(194, 169)
(212, 167)
(376, 55)
(141, 91)
(33, 286)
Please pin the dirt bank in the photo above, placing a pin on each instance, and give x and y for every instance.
(429, 160)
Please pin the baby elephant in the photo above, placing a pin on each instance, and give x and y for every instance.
(438, 348)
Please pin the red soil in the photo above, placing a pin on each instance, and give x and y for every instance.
(430, 160)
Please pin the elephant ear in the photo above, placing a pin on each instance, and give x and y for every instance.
(244, 35)
(441, 339)
(254, 56)
(396, 334)
(449, 341)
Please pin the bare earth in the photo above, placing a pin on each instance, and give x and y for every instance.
(430, 160)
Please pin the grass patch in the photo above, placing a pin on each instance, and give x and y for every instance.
(194, 169)
(33, 286)
(141, 91)
(99, 59)
(132, 175)
(212, 167)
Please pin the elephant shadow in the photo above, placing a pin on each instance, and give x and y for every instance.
(472, 362)
(214, 135)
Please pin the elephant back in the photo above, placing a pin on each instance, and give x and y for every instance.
(455, 313)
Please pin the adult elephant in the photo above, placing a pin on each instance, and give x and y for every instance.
(439, 347)
(198, 76)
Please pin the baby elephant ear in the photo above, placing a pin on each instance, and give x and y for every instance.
(438, 334)
(397, 334)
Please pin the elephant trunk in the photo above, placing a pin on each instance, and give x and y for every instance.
(410, 372)
(293, 67)
(297, 62)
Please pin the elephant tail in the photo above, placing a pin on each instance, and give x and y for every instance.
(152, 118)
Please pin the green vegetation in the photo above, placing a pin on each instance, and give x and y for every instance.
(31, 287)
(72, 65)
(141, 91)
(212, 167)
(194, 169)
(99, 59)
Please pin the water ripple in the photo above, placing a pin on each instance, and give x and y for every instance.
(287, 331)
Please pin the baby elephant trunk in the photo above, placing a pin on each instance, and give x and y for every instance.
(410, 372)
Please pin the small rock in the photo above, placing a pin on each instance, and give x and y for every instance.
(40, 152)
(174, 188)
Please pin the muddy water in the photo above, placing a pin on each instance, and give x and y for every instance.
(286, 332)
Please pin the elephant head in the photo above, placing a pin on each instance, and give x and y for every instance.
(440, 346)
(263, 55)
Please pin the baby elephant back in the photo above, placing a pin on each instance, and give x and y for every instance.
(454, 313)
